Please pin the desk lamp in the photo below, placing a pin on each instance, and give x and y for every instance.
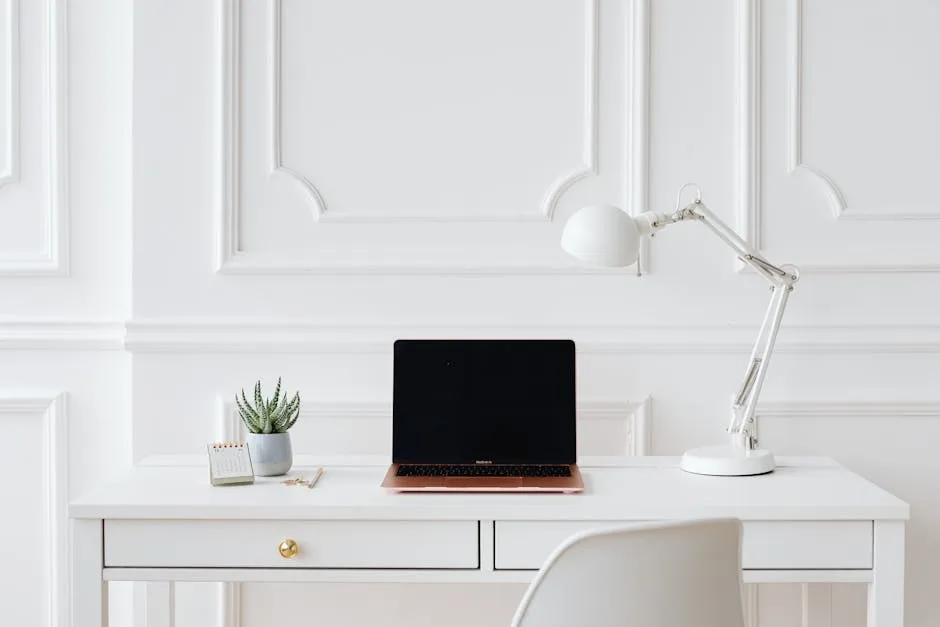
(605, 235)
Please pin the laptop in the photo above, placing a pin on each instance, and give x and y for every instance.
(484, 416)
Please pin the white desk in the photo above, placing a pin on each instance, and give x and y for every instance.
(810, 521)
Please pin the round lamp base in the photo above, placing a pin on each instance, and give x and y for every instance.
(727, 461)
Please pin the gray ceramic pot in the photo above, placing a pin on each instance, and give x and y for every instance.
(271, 453)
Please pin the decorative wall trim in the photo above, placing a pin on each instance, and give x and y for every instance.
(274, 109)
(51, 409)
(752, 605)
(61, 335)
(843, 409)
(266, 264)
(155, 604)
(637, 142)
(836, 409)
(816, 605)
(229, 605)
(552, 196)
(271, 336)
(229, 162)
(749, 210)
(640, 437)
(228, 426)
(862, 268)
(795, 163)
(231, 259)
(53, 260)
(224, 335)
(11, 172)
(591, 114)
(828, 186)
(638, 416)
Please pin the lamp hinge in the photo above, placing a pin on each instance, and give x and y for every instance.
(750, 433)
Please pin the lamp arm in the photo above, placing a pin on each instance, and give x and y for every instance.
(781, 278)
(745, 401)
(696, 210)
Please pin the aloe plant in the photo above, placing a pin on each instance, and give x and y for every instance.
(274, 415)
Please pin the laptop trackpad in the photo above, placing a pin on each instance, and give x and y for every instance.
(483, 483)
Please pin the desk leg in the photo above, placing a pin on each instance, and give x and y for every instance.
(89, 591)
(886, 592)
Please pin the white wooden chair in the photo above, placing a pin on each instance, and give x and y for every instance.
(651, 575)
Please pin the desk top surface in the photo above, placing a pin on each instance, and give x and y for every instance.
(644, 488)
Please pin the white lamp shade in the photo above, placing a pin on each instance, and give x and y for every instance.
(602, 235)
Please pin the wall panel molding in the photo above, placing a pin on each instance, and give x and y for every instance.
(51, 410)
(637, 141)
(749, 206)
(228, 205)
(591, 128)
(816, 602)
(225, 335)
(229, 605)
(843, 409)
(748, 77)
(834, 409)
(230, 258)
(61, 335)
(10, 172)
(752, 605)
(315, 198)
(637, 416)
(53, 259)
(271, 336)
(276, 156)
(155, 604)
(795, 162)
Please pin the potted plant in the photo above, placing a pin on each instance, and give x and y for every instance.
(268, 421)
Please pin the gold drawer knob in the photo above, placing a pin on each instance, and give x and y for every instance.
(288, 548)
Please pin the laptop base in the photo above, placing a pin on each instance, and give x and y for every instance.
(567, 485)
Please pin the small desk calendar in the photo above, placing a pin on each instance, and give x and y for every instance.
(229, 463)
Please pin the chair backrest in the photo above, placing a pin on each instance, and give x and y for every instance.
(651, 575)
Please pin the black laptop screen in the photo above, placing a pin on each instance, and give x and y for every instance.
(499, 401)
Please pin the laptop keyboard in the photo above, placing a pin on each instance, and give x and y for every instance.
(482, 470)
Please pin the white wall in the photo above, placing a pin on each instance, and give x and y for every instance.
(305, 190)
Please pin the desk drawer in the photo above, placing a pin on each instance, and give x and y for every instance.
(523, 545)
(320, 544)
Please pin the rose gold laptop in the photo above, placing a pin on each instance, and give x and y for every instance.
(484, 416)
